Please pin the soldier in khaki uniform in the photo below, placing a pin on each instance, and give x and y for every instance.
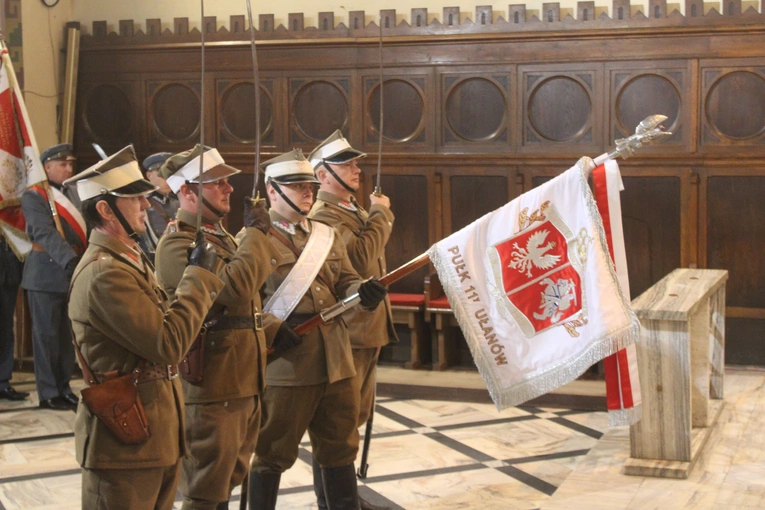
(311, 386)
(223, 409)
(365, 235)
(123, 321)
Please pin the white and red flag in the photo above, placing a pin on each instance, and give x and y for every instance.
(20, 165)
(534, 290)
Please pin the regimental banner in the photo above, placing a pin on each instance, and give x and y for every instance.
(534, 290)
(20, 164)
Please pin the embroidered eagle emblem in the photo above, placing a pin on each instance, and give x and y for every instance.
(534, 254)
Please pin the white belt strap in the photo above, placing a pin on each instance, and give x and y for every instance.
(303, 273)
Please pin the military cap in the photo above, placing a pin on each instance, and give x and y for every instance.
(63, 151)
(154, 161)
(334, 150)
(184, 167)
(117, 175)
(289, 167)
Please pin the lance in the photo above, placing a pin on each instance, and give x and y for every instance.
(256, 83)
(201, 122)
(647, 131)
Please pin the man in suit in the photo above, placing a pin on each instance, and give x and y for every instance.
(365, 235)
(47, 272)
(309, 387)
(10, 278)
(125, 324)
(223, 406)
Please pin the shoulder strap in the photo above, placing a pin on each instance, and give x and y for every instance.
(286, 242)
(157, 207)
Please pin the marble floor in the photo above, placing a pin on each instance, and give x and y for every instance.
(438, 454)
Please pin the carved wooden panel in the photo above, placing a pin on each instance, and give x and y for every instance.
(326, 21)
(419, 17)
(108, 114)
(651, 221)
(266, 22)
(238, 25)
(473, 196)
(743, 344)
(126, 28)
(517, 13)
(236, 113)
(451, 16)
(181, 26)
(173, 112)
(476, 108)
(410, 235)
(585, 11)
(732, 106)
(387, 18)
(408, 109)
(561, 106)
(657, 9)
(551, 12)
(483, 15)
(694, 8)
(620, 9)
(153, 26)
(318, 106)
(638, 90)
(736, 236)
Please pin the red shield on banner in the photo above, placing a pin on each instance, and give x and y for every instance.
(537, 276)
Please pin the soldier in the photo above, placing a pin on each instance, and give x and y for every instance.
(163, 202)
(365, 235)
(47, 272)
(311, 386)
(223, 406)
(124, 323)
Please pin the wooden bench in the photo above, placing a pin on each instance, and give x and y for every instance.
(681, 357)
(408, 309)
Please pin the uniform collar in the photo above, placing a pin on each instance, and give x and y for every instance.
(207, 227)
(349, 205)
(118, 249)
(278, 221)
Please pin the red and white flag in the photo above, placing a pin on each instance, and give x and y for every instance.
(20, 166)
(534, 290)
(622, 379)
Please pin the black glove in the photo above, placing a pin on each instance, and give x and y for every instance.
(69, 269)
(202, 253)
(256, 214)
(371, 293)
(285, 339)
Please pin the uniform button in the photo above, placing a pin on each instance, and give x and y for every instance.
(256, 308)
(321, 302)
(213, 294)
(225, 404)
(273, 262)
(317, 289)
(390, 224)
(332, 254)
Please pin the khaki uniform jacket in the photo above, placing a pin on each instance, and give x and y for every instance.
(119, 315)
(365, 235)
(234, 359)
(325, 353)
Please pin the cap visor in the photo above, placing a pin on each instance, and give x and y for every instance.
(289, 179)
(134, 189)
(345, 157)
(217, 173)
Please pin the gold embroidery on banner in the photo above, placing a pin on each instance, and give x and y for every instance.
(572, 325)
(583, 240)
(524, 220)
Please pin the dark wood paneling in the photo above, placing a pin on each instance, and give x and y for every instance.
(651, 221)
(736, 236)
(743, 341)
(473, 196)
(410, 237)
(318, 106)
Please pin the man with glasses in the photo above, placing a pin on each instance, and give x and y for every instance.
(309, 387)
(224, 371)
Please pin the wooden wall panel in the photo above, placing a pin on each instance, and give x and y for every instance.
(736, 236)
(318, 105)
(472, 196)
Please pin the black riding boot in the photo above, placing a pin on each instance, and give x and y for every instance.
(318, 486)
(340, 487)
(366, 505)
(223, 505)
(262, 490)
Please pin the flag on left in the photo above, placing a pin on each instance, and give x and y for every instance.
(20, 165)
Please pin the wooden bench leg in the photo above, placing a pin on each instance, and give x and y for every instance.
(419, 341)
(445, 342)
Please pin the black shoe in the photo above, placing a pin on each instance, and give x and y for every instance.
(11, 394)
(56, 404)
(72, 399)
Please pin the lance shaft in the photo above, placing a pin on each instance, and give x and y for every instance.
(256, 83)
(378, 188)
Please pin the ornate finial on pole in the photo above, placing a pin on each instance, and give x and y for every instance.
(646, 132)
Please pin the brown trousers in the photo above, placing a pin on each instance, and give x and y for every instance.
(328, 411)
(221, 438)
(130, 489)
(365, 362)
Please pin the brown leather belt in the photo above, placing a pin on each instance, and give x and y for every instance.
(37, 247)
(236, 322)
(146, 374)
